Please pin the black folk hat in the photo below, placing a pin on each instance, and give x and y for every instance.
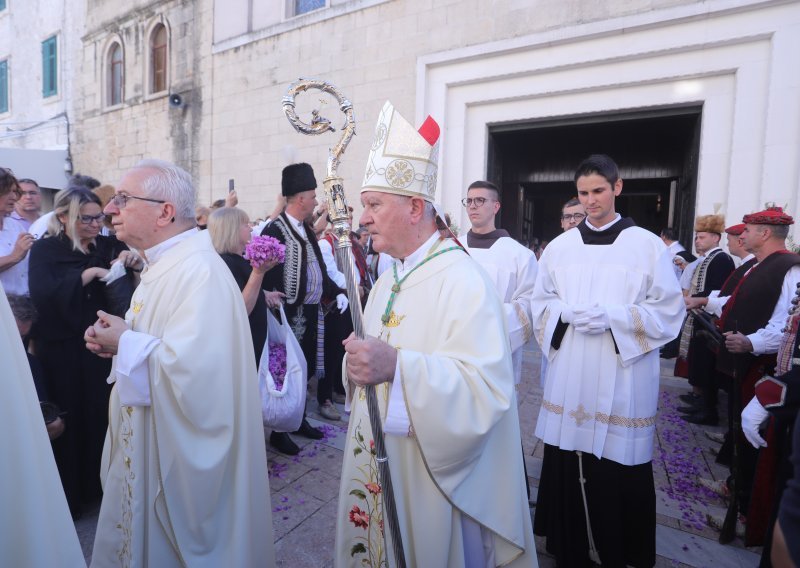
(297, 178)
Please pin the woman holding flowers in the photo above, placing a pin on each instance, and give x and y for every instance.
(229, 228)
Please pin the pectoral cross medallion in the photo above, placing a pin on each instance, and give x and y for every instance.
(137, 307)
(393, 320)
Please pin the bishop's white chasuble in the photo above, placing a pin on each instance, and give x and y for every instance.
(185, 479)
(461, 457)
(601, 391)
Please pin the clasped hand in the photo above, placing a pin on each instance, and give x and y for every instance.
(102, 338)
(370, 361)
(590, 319)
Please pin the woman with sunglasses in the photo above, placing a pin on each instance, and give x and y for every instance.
(65, 275)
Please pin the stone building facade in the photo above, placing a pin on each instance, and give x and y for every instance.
(504, 79)
(135, 57)
(38, 41)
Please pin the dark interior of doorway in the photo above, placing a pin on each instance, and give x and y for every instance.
(657, 151)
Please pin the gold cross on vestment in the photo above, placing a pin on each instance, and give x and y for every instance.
(580, 415)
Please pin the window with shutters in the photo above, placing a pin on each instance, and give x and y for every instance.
(3, 86)
(50, 67)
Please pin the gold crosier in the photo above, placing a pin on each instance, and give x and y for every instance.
(339, 214)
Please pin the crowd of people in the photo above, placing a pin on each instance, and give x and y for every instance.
(138, 328)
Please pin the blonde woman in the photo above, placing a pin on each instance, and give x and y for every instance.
(64, 278)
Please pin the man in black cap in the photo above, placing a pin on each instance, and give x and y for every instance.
(303, 279)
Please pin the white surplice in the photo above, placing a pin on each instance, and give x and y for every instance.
(457, 470)
(512, 268)
(36, 528)
(601, 391)
(184, 470)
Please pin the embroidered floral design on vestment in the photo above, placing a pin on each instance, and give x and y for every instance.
(126, 435)
(366, 512)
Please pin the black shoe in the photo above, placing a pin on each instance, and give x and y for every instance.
(283, 443)
(308, 431)
(692, 409)
(702, 417)
(691, 398)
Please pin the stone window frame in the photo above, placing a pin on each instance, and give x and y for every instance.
(150, 31)
(107, 74)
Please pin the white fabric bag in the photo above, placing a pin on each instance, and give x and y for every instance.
(283, 409)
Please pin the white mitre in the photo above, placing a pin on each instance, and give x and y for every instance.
(403, 160)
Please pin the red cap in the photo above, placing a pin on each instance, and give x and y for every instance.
(735, 230)
(769, 216)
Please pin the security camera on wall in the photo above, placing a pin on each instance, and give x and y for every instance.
(176, 101)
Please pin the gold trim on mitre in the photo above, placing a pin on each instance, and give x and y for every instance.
(400, 161)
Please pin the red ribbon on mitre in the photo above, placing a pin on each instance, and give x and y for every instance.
(429, 130)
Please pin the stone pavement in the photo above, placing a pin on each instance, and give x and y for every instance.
(305, 487)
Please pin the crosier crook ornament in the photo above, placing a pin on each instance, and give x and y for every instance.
(339, 215)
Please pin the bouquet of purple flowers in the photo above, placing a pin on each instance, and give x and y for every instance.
(263, 249)
(277, 363)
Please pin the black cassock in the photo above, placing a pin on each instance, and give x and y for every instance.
(75, 378)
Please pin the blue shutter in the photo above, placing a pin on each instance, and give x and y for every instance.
(2, 5)
(49, 67)
(3, 85)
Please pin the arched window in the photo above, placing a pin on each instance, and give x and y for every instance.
(158, 59)
(115, 74)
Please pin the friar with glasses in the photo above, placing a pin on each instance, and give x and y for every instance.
(605, 300)
(572, 213)
(510, 266)
(184, 469)
(436, 348)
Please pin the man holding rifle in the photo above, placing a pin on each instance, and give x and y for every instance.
(752, 313)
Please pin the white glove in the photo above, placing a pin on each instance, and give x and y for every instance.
(592, 322)
(570, 313)
(753, 416)
(342, 303)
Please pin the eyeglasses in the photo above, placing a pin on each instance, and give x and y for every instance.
(89, 219)
(573, 217)
(477, 201)
(120, 200)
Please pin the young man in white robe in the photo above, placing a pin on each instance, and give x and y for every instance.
(605, 300)
(437, 351)
(184, 471)
(511, 266)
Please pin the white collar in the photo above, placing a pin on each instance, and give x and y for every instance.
(708, 252)
(408, 263)
(154, 253)
(604, 227)
(297, 225)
